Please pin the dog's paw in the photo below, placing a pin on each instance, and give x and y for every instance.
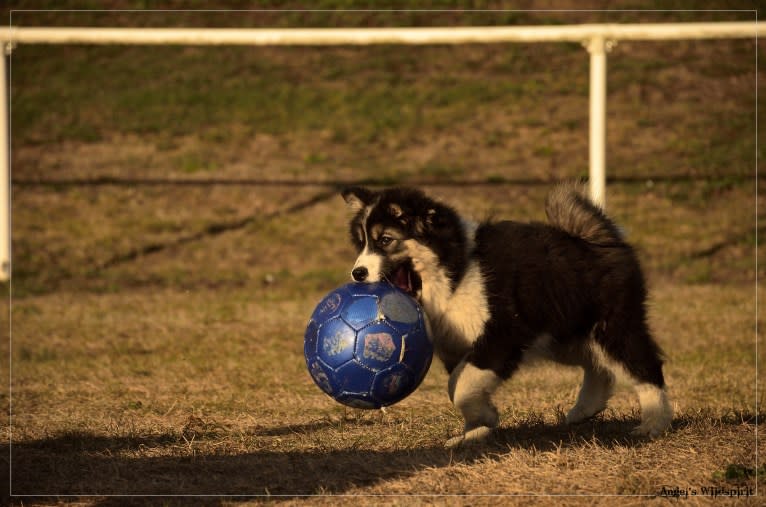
(579, 414)
(651, 431)
(654, 425)
(454, 442)
(471, 437)
(575, 415)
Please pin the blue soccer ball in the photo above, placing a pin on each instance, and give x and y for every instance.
(367, 345)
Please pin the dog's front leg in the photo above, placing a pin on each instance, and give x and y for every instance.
(470, 390)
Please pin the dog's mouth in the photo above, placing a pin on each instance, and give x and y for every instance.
(405, 277)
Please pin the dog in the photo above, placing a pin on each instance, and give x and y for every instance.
(499, 293)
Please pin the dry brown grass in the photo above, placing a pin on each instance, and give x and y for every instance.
(157, 323)
(170, 392)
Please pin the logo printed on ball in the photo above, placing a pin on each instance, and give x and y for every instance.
(378, 346)
(393, 383)
(331, 303)
(320, 377)
(337, 343)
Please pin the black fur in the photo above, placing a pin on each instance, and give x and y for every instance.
(546, 281)
(572, 279)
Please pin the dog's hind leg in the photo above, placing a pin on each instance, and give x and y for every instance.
(470, 389)
(656, 412)
(596, 390)
(637, 357)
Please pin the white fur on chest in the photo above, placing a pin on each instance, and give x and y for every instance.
(457, 317)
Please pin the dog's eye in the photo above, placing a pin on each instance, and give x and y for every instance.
(385, 240)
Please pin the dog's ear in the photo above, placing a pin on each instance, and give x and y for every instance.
(357, 197)
(425, 220)
(397, 212)
(431, 219)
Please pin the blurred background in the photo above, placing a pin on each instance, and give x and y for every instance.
(110, 141)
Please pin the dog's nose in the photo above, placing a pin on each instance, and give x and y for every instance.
(360, 274)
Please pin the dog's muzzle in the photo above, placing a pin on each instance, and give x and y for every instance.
(360, 274)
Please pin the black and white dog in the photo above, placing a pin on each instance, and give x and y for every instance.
(499, 293)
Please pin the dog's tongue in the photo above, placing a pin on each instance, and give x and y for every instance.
(402, 279)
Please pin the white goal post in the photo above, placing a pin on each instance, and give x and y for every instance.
(596, 38)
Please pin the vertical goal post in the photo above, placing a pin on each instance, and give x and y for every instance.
(596, 38)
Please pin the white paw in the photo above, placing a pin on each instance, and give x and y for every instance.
(649, 430)
(454, 442)
(575, 416)
(470, 437)
(579, 414)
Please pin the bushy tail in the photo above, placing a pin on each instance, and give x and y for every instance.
(570, 210)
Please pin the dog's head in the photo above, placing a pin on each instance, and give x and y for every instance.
(400, 235)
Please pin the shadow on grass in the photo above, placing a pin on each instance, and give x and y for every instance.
(81, 464)
(87, 464)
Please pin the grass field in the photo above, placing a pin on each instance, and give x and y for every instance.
(176, 219)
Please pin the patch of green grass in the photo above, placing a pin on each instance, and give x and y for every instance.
(261, 88)
(192, 163)
(543, 151)
(495, 138)
(316, 158)
(698, 271)
(442, 171)
(44, 355)
(740, 473)
(646, 122)
(713, 155)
